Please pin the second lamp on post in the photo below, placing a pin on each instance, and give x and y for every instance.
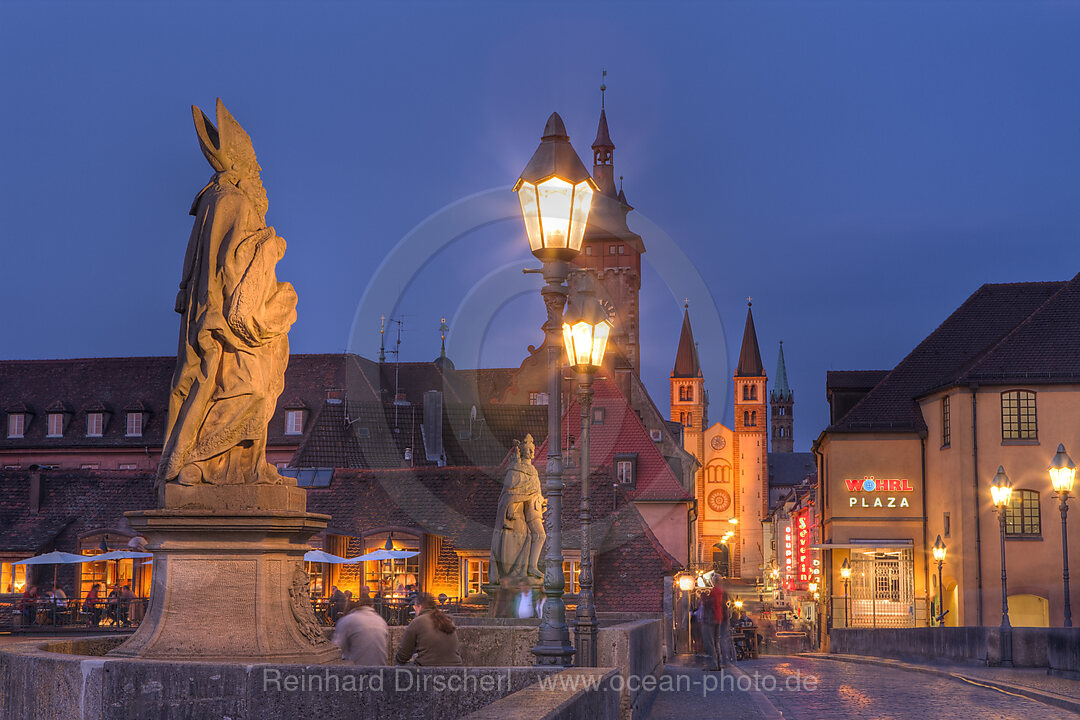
(1062, 472)
(586, 329)
(1000, 493)
(939, 558)
(555, 191)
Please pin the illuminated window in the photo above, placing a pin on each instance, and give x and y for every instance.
(134, 424)
(95, 423)
(538, 398)
(1018, 417)
(610, 249)
(12, 578)
(16, 426)
(476, 576)
(56, 425)
(316, 581)
(1022, 516)
(294, 422)
(946, 430)
(571, 569)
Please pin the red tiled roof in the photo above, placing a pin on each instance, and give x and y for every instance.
(622, 432)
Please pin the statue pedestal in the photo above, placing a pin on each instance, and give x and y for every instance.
(229, 582)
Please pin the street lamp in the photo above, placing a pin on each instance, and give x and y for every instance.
(555, 192)
(687, 582)
(586, 329)
(1000, 493)
(1062, 472)
(939, 556)
(845, 573)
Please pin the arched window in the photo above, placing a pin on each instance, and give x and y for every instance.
(753, 418)
(689, 393)
(1022, 517)
(689, 419)
(745, 418)
(1018, 416)
(753, 392)
(745, 392)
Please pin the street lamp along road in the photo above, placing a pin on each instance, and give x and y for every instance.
(1062, 473)
(939, 556)
(1000, 494)
(845, 573)
(586, 328)
(555, 191)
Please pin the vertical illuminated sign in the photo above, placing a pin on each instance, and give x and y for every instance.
(802, 547)
(789, 556)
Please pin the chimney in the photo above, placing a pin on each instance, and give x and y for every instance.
(432, 427)
(35, 490)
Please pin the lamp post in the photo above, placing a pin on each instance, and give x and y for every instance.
(1000, 493)
(586, 329)
(687, 582)
(939, 556)
(845, 573)
(1062, 472)
(555, 192)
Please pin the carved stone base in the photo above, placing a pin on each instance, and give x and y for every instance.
(229, 585)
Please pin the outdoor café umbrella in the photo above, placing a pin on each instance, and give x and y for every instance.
(324, 557)
(382, 554)
(54, 558)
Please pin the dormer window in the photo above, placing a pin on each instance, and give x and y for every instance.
(294, 422)
(56, 425)
(16, 425)
(625, 468)
(95, 424)
(134, 424)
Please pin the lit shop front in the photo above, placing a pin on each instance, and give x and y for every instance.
(872, 541)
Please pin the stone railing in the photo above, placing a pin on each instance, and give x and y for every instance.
(1057, 649)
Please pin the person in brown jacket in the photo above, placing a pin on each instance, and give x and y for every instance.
(431, 635)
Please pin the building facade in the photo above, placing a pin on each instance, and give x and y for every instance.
(913, 456)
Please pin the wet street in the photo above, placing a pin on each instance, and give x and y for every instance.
(801, 688)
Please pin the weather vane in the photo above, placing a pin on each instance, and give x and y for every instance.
(443, 329)
(603, 88)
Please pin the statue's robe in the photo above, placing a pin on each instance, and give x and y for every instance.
(233, 346)
(515, 546)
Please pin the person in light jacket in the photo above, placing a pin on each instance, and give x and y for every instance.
(362, 634)
(431, 635)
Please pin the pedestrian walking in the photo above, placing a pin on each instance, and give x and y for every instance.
(362, 634)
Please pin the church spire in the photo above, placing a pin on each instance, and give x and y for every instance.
(686, 358)
(750, 356)
(781, 390)
(604, 150)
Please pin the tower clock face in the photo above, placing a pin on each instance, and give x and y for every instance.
(718, 443)
(719, 500)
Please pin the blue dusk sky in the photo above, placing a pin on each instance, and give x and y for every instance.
(859, 168)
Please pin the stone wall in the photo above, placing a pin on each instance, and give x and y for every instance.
(1057, 649)
(636, 649)
(560, 697)
(40, 685)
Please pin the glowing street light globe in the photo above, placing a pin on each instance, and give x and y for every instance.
(555, 191)
(586, 329)
(938, 550)
(845, 570)
(686, 583)
(1001, 489)
(1062, 471)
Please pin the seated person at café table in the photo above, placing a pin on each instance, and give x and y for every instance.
(432, 636)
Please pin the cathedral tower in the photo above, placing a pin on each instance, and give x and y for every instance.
(613, 252)
(689, 406)
(781, 406)
(751, 441)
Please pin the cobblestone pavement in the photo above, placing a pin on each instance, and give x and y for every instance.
(800, 688)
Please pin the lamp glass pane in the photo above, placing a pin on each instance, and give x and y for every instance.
(555, 196)
(599, 342)
(583, 336)
(1062, 478)
(530, 210)
(583, 196)
(568, 342)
